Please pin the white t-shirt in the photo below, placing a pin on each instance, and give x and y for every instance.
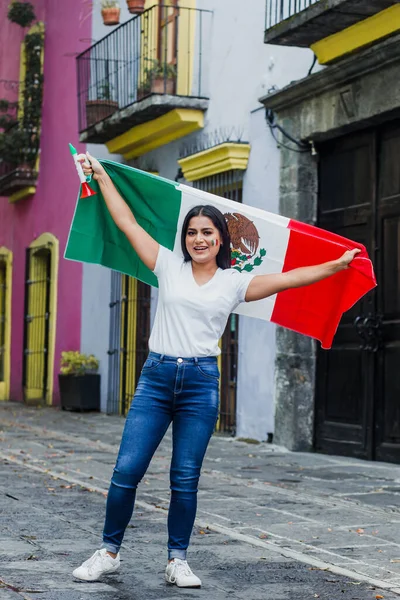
(190, 318)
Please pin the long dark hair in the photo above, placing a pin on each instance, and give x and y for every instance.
(218, 219)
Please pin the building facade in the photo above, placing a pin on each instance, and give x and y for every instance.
(345, 177)
(188, 111)
(40, 293)
(173, 90)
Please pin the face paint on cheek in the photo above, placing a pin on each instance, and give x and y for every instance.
(214, 242)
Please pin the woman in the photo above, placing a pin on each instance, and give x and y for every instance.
(179, 382)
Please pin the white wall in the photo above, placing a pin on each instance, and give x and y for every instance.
(243, 68)
(255, 406)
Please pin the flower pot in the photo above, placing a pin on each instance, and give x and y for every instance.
(111, 15)
(80, 392)
(135, 7)
(97, 110)
(157, 87)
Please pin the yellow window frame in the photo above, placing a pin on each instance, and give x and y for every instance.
(49, 240)
(6, 259)
(128, 326)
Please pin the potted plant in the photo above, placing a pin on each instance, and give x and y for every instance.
(135, 7)
(18, 152)
(103, 106)
(21, 13)
(79, 381)
(110, 12)
(160, 78)
(17, 149)
(7, 120)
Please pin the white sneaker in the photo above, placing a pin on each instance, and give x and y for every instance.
(179, 573)
(100, 563)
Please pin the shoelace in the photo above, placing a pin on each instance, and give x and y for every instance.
(92, 560)
(180, 568)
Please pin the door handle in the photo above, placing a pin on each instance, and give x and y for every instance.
(369, 329)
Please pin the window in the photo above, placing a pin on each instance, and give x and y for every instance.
(40, 319)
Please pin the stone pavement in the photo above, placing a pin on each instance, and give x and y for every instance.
(271, 524)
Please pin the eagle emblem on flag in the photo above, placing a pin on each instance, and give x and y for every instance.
(245, 241)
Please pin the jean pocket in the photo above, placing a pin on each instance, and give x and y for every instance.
(209, 370)
(151, 364)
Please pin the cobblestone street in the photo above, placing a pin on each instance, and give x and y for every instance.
(271, 524)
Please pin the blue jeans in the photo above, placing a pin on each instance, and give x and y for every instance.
(186, 392)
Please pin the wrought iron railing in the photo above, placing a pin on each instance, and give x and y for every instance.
(280, 10)
(5, 170)
(20, 138)
(161, 51)
(17, 156)
(8, 115)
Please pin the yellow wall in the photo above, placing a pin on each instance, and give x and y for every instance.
(6, 259)
(186, 42)
(186, 48)
(156, 133)
(149, 40)
(218, 159)
(362, 34)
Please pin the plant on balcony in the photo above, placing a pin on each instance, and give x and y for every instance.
(19, 140)
(110, 11)
(135, 7)
(79, 381)
(17, 149)
(7, 120)
(102, 106)
(159, 78)
(21, 13)
(33, 85)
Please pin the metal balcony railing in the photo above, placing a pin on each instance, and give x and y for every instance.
(6, 169)
(280, 10)
(161, 51)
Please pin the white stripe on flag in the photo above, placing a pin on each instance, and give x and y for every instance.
(274, 238)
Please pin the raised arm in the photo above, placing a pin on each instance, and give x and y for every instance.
(145, 246)
(263, 286)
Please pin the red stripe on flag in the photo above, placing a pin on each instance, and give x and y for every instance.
(316, 310)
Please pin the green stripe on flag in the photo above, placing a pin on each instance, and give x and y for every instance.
(94, 237)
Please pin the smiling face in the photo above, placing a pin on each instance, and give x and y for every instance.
(203, 240)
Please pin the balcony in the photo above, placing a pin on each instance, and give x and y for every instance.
(17, 182)
(145, 83)
(19, 147)
(302, 23)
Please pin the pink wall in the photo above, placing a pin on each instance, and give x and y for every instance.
(51, 208)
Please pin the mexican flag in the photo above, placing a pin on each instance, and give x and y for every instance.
(262, 243)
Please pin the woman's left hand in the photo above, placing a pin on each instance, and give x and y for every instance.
(345, 260)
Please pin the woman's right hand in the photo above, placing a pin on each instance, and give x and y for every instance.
(91, 166)
(143, 244)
